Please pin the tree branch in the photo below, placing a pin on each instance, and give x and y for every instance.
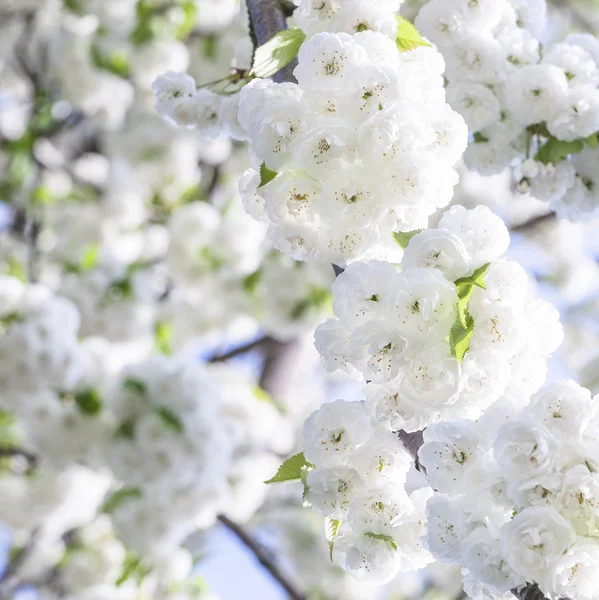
(266, 19)
(263, 342)
(533, 223)
(262, 555)
(530, 591)
(9, 452)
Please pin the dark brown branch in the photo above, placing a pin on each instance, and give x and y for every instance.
(263, 557)
(259, 343)
(266, 19)
(530, 592)
(9, 580)
(412, 442)
(533, 223)
(9, 452)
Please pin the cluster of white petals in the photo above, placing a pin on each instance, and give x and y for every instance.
(517, 494)
(363, 145)
(529, 105)
(393, 328)
(357, 481)
(350, 16)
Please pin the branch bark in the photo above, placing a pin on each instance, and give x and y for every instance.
(9, 452)
(533, 223)
(267, 18)
(264, 558)
(256, 344)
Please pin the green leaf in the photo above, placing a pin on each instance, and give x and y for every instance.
(593, 141)
(278, 52)
(15, 268)
(262, 395)
(266, 175)
(382, 538)
(331, 529)
(402, 238)
(554, 150)
(317, 298)
(116, 62)
(408, 37)
(89, 402)
(170, 419)
(250, 283)
(134, 385)
(125, 431)
(190, 11)
(74, 6)
(291, 470)
(209, 46)
(116, 499)
(42, 195)
(477, 278)
(460, 335)
(163, 336)
(133, 568)
(89, 259)
(463, 327)
(479, 138)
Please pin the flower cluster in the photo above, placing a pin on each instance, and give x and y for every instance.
(351, 16)
(449, 334)
(180, 102)
(530, 106)
(363, 145)
(357, 482)
(518, 494)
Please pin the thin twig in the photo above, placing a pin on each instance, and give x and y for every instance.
(533, 223)
(259, 343)
(9, 579)
(263, 557)
(9, 452)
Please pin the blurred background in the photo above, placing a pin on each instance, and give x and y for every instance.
(128, 266)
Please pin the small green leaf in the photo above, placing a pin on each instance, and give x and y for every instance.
(10, 319)
(115, 62)
(479, 138)
(278, 52)
(133, 568)
(331, 529)
(190, 11)
(554, 150)
(134, 385)
(266, 175)
(593, 141)
(477, 278)
(74, 6)
(408, 37)
(291, 469)
(262, 395)
(209, 46)
(460, 335)
(463, 328)
(382, 538)
(125, 431)
(163, 336)
(15, 268)
(42, 195)
(170, 419)
(89, 258)
(317, 298)
(402, 238)
(250, 283)
(89, 402)
(116, 499)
